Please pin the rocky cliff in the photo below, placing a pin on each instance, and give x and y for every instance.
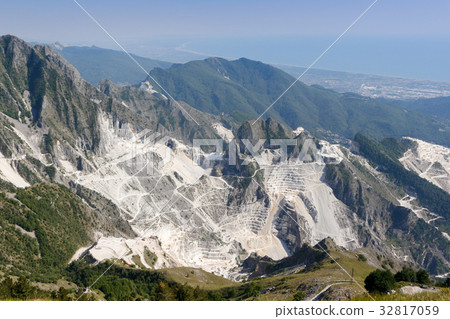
(128, 153)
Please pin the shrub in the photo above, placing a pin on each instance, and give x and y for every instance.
(406, 274)
(215, 296)
(231, 293)
(299, 295)
(48, 143)
(252, 290)
(51, 172)
(362, 257)
(184, 292)
(423, 277)
(21, 289)
(379, 281)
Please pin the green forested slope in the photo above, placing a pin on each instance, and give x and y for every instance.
(439, 107)
(243, 89)
(41, 228)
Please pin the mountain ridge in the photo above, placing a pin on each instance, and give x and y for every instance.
(96, 64)
(244, 89)
(169, 210)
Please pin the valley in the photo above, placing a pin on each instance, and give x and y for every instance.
(111, 176)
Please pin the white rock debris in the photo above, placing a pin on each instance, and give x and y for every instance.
(223, 132)
(167, 196)
(9, 173)
(429, 161)
(183, 215)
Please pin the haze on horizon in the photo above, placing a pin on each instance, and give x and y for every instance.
(411, 35)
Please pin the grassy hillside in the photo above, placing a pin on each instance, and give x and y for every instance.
(442, 294)
(125, 283)
(313, 279)
(197, 277)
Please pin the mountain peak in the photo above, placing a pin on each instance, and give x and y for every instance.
(214, 60)
(10, 37)
(15, 50)
(263, 129)
(58, 46)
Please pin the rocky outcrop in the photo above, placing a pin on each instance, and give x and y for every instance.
(302, 257)
(175, 119)
(368, 193)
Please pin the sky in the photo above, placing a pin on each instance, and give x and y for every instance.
(50, 20)
(142, 25)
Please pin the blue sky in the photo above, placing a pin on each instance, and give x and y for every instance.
(416, 29)
(51, 20)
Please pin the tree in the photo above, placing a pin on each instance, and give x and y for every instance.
(447, 282)
(63, 294)
(423, 277)
(215, 296)
(51, 172)
(406, 274)
(231, 293)
(183, 293)
(6, 287)
(253, 290)
(379, 281)
(196, 293)
(22, 289)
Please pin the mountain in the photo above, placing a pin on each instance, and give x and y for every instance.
(41, 89)
(244, 89)
(122, 167)
(96, 64)
(438, 107)
(162, 114)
